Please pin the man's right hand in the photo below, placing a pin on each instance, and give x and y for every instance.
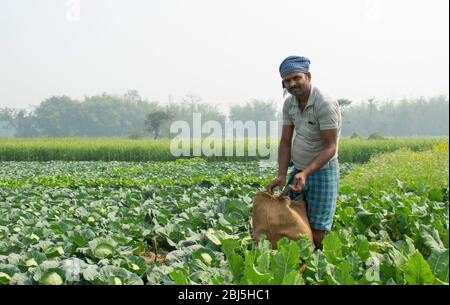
(279, 181)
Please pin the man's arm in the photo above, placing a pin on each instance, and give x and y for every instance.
(329, 138)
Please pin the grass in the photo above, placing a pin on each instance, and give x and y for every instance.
(423, 171)
(122, 149)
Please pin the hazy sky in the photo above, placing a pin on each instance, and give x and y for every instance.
(223, 51)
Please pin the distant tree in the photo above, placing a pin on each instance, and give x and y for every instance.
(135, 134)
(58, 116)
(372, 108)
(155, 121)
(7, 122)
(126, 115)
(185, 109)
(115, 115)
(376, 135)
(405, 117)
(255, 111)
(7, 115)
(343, 103)
(132, 95)
(193, 101)
(355, 136)
(25, 124)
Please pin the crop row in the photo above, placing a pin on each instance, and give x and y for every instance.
(119, 149)
(124, 223)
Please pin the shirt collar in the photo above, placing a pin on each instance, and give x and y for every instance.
(312, 97)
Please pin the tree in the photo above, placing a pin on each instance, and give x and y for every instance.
(25, 124)
(58, 116)
(406, 117)
(132, 95)
(155, 121)
(184, 110)
(372, 108)
(7, 115)
(115, 115)
(255, 111)
(192, 100)
(355, 136)
(7, 122)
(343, 102)
(376, 135)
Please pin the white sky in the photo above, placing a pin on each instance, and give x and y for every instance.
(226, 52)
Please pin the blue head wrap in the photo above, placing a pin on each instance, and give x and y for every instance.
(294, 64)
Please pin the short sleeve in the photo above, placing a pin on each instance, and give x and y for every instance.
(329, 115)
(287, 119)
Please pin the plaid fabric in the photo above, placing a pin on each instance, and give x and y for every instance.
(320, 194)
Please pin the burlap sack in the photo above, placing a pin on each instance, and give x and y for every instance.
(279, 216)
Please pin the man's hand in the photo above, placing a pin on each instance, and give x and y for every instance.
(299, 182)
(279, 181)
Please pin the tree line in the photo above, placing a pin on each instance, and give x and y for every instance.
(406, 117)
(129, 115)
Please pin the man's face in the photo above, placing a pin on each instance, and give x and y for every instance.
(297, 83)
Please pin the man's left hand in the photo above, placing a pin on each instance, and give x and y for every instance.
(299, 182)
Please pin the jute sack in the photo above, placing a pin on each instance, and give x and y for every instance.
(279, 216)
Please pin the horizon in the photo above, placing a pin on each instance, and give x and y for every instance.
(226, 110)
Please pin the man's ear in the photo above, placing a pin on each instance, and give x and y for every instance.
(308, 74)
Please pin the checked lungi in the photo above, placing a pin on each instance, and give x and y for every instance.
(320, 194)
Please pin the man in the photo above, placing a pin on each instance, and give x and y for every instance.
(317, 122)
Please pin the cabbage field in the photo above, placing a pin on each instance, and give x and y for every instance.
(187, 221)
